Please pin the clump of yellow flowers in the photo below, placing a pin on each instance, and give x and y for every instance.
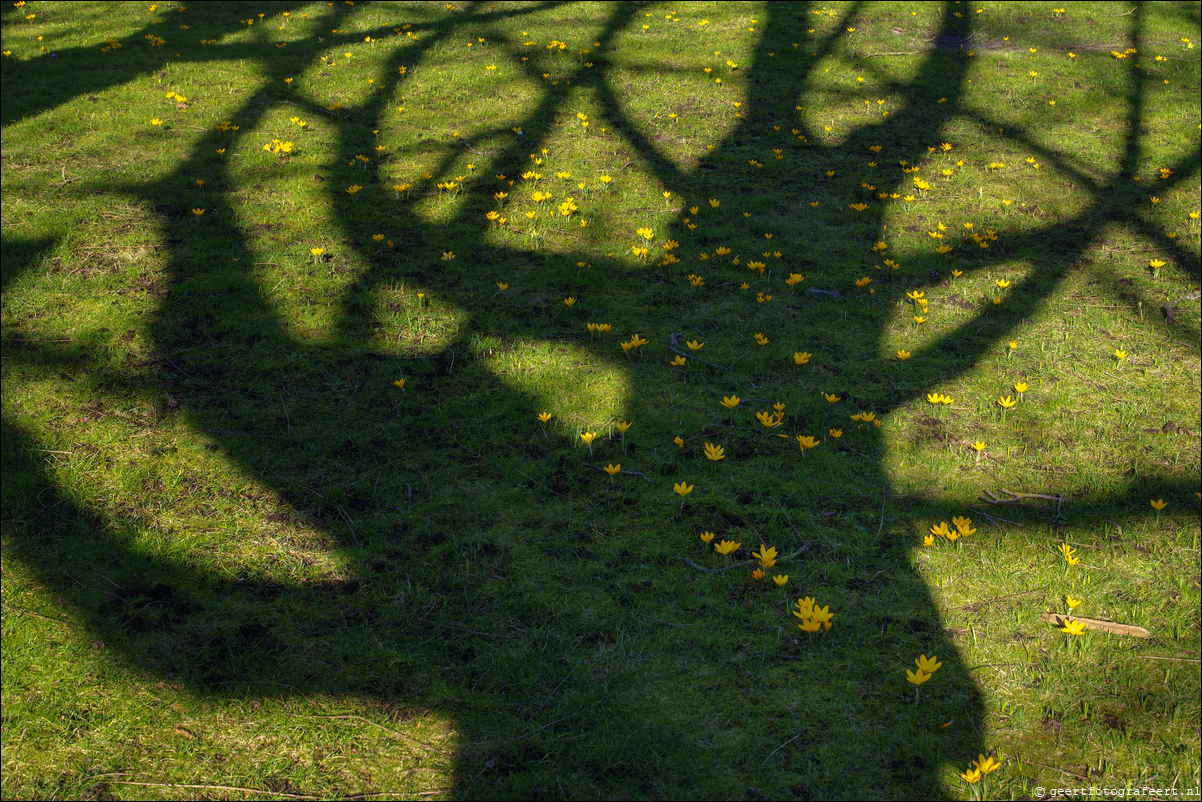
(813, 618)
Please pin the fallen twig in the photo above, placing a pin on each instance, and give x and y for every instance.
(667, 623)
(1093, 623)
(691, 355)
(39, 615)
(1032, 495)
(633, 473)
(527, 735)
(405, 738)
(1177, 659)
(976, 605)
(461, 445)
(694, 565)
(782, 746)
(543, 486)
(214, 788)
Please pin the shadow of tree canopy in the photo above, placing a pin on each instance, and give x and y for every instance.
(205, 359)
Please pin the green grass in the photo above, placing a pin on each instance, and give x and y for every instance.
(239, 561)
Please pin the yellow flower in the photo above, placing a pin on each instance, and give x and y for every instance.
(1159, 504)
(682, 489)
(767, 419)
(1073, 627)
(317, 251)
(761, 339)
(927, 664)
(780, 580)
(831, 398)
(714, 453)
(1120, 354)
(502, 286)
(1001, 282)
(863, 282)
(859, 207)
(714, 202)
(757, 574)
(706, 537)
(569, 301)
(730, 401)
(198, 212)
(588, 438)
(1020, 387)
(801, 357)
(979, 446)
(1071, 602)
(694, 345)
(986, 765)
(1007, 402)
(400, 383)
(972, 776)
(766, 555)
(806, 442)
(903, 354)
(156, 121)
(836, 433)
(544, 416)
(1068, 553)
(928, 540)
(678, 361)
(678, 441)
(353, 188)
(917, 678)
(612, 470)
(726, 547)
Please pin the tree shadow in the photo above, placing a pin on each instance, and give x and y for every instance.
(205, 359)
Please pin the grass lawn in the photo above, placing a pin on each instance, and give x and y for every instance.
(534, 400)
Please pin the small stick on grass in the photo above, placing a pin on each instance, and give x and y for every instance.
(1093, 623)
(632, 473)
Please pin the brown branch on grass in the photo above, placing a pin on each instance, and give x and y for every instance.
(1093, 623)
(691, 355)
